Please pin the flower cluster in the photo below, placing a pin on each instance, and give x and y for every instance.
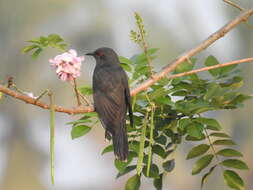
(67, 65)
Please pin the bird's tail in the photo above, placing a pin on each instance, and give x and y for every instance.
(120, 143)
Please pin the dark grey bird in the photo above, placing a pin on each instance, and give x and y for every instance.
(112, 99)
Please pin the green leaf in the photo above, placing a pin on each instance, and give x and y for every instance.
(190, 138)
(201, 164)
(233, 180)
(126, 67)
(107, 149)
(29, 48)
(234, 83)
(240, 99)
(35, 41)
(54, 38)
(133, 183)
(36, 53)
(195, 130)
(197, 151)
(120, 165)
(206, 176)
(209, 122)
(152, 51)
(212, 128)
(91, 114)
(153, 172)
(183, 123)
(211, 60)
(169, 165)
(180, 93)
(127, 170)
(227, 69)
(219, 135)
(157, 149)
(158, 182)
(86, 90)
(229, 153)
(213, 91)
(74, 123)
(125, 60)
(224, 142)
(79, 131)
(161, 140)
(185, 66)
(235, 163)
(134, 146)
(158, 93)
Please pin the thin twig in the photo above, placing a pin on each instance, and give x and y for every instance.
(84, 98)
(211, 67)
(234, 5)
(77, 94)
(145, 48)
(42, 94)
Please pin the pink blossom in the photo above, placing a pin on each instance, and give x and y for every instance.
(67, 65)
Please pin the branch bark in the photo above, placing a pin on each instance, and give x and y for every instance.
(211, 67)
(163, 73)
(29, 100)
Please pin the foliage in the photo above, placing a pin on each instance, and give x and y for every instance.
(169, 113)
(38, 44)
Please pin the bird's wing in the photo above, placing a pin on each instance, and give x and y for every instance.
(128, 98)
(109, 99)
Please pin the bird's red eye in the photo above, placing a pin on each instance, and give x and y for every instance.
(100, 54)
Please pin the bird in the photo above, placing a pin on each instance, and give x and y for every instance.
(112, 99)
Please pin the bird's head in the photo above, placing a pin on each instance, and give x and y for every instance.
(105, 56)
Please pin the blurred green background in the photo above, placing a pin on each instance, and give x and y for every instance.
(174, 26)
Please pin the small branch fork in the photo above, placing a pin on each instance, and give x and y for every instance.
(156, 77)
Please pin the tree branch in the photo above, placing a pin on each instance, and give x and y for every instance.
(163, 73)
(211, 67)
(203, 45)
(43, 105)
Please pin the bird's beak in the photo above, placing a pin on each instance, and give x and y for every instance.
(90, 54)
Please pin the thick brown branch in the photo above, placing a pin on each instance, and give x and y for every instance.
(211, 67)
(43, 105)
(206, 43)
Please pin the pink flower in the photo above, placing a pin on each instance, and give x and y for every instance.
(67, 65)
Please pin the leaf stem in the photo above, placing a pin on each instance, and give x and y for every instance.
(212, 147)
(151, 139)
(142, 142)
